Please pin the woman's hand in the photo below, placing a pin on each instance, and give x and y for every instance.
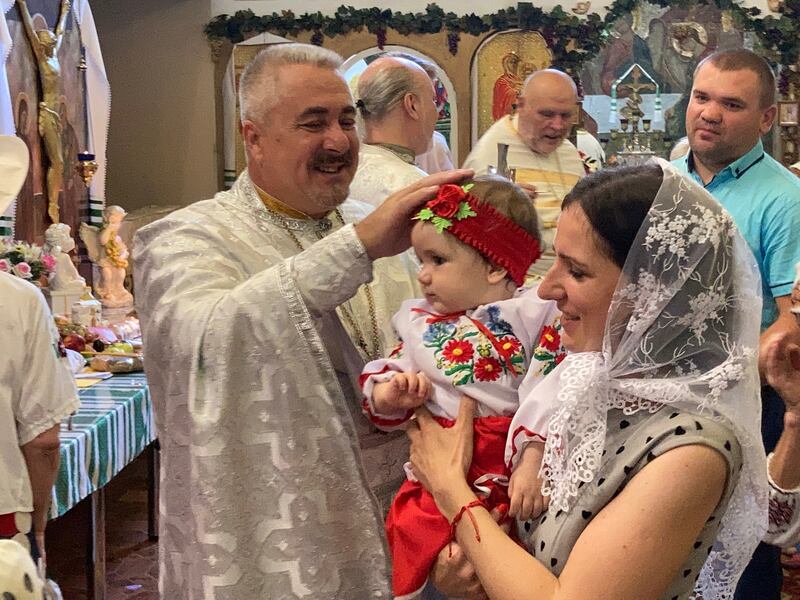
(454, 575)
(440, 457)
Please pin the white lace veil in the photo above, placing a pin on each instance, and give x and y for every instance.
(682, 329)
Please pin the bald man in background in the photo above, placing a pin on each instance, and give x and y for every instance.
(538, 149)
(397, 103)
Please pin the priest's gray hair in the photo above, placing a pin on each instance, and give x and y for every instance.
(386, 88)
(258, 83)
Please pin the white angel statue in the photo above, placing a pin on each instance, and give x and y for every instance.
(108, 251)
(59, 243)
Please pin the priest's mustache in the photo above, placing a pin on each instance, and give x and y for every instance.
(323, 159)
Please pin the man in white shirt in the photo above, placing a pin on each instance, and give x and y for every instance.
(36, 387)
(538, 149)
(398, 107)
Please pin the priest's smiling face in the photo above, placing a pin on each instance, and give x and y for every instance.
(304, 150)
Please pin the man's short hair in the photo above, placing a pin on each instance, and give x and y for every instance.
(423, 63)
(384, 90)
(258, 83)
(745, 60)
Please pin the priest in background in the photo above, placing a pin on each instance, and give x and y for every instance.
(259, 309)
(398, 107)
(538, 149)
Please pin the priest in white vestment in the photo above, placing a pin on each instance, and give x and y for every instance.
(397, 102)
(259, 309)
(538, 150)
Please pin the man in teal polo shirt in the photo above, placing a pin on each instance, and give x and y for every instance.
(731, 106)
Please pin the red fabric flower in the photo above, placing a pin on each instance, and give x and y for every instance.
(560, 357)
(508, 346)
(488, 369)
(550, 340)
(458, 351)
(447, 200)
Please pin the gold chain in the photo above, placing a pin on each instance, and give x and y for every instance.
(361, 341)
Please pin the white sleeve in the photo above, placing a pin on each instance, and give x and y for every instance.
(784, 514)
(46, 393)
(379, 371)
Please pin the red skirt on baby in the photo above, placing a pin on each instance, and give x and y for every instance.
(415, 528)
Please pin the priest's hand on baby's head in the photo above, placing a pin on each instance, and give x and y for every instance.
(387, 230)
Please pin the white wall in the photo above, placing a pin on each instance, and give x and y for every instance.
(162, 133)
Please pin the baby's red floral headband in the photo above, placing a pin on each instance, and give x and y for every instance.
(483, 227)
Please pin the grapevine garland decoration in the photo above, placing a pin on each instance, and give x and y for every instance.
(778, 34)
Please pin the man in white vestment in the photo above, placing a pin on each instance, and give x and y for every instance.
(438, 156)
(398, 107)
(538, 149)
(259, 309)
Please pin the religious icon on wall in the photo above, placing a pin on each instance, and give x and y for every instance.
(668, 42)
(507, 87)
(502, 64)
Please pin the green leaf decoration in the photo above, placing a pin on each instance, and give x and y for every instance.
(464, 379)
(464, 211)
(467, 187)
(441, 223)
(572, 40)
(457, 368)
(426, 214)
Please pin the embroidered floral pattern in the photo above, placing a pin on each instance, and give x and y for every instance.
(488, 369)
(549, 352)
(458, 351)
(467, 354)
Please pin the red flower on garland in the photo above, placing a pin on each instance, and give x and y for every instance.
(447, 200)
(488, 369)
(458, 351)
(508, 346)
(551, 339)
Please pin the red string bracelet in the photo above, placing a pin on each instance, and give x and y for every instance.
(457, 518)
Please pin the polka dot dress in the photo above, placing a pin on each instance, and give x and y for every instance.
(632, 442)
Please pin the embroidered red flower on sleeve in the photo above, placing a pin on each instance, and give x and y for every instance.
(551, 339)
(508, 346)
(458, 351)
(488, 369)
(447, 201)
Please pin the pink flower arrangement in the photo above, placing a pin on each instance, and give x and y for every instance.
(24, 260)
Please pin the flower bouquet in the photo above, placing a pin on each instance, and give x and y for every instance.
(24, 260)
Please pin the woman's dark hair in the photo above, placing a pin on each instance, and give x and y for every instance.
(616, 202)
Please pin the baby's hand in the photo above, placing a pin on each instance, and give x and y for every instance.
(404, 391)
(525, 486)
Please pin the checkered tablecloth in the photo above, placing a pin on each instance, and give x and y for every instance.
(113, 425)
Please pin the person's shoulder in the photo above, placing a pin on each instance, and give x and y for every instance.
(500, 130)
(20, 291)
(23, 304)
(785, 183)
(671, 427)
(198, 215)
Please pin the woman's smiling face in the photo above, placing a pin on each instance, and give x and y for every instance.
(581, 281)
